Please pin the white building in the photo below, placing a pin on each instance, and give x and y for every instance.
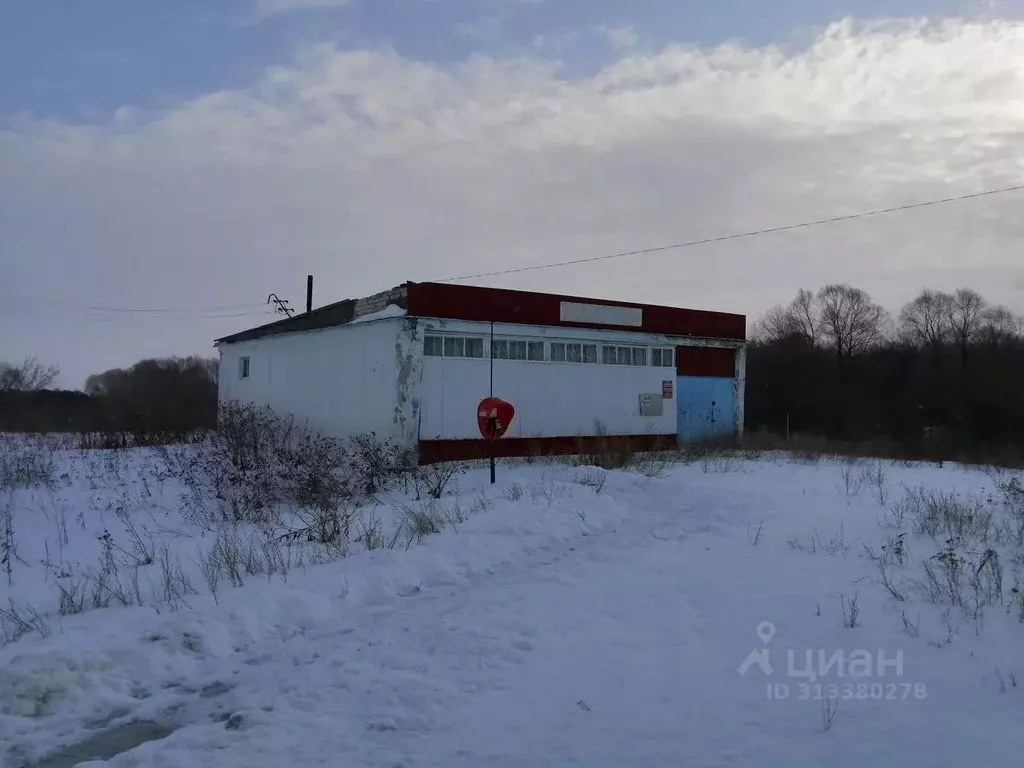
(412, 363)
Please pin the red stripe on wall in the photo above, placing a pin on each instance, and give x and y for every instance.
(434, 451)
(466, 302)
(706, 361)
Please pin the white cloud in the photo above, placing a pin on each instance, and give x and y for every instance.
(369, 169)
(272, 7)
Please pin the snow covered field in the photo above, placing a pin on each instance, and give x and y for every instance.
(724, 612)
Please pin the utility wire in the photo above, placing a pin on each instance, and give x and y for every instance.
(738, 235)
(146, 319)
(177, 309)
(147, 310)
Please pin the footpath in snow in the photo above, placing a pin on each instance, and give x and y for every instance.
(726, 613)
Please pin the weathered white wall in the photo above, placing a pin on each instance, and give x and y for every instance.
(740, 392)
(551, 399)
(343, 380)
(373, 376)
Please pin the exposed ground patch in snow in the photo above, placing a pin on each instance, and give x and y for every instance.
(568, 616)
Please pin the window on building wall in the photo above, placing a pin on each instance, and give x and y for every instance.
(624, 355)
(474, 347)
(433, 346)
(453, 346)
(535, 351)
(243, 367)
(507, 349)
(573, 352)
(663, 357)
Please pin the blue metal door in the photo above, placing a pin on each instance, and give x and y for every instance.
(704, 408)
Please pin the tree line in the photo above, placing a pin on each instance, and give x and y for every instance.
(158, 398)
(834, 363)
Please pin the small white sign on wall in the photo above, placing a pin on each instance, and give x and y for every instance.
(652, 405)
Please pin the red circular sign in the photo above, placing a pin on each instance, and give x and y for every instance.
(494, 416)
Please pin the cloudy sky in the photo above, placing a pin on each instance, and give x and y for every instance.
(188, 158)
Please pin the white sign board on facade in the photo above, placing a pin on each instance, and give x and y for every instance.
(600, 314)
(652, 405)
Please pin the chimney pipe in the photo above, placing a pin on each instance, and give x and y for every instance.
(309, 293)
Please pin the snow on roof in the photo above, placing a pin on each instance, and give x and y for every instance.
(391, 310)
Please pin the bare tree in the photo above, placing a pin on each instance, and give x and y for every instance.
(924, 322)
(807, 314)
(999, 325)
(27, 376)
(849, 320)
(799, 319)
(964, 317)
(776, 325)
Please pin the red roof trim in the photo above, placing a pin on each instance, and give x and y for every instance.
(474, 303)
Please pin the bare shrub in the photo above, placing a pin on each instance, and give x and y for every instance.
(852, 477)
(595, 480)
(952, 629)
(946, 516)
(258, 463)
(26, 462)
(944, 573)
(324, 525)
(829, 708)
(885, 579)
(811, 547)
(1016, 601)
(143, 549)
(835, 545)
(513, 492)
(653, 464)
(608, 451)
(71, 597)
(912, 628)
(896, 516)
(18, 621)
(174, 586)
(894, 551)
(986, 579)
(423, 520)
(875, 477)
(372, 536)
(435, 480)
(721, 462)
(755, 537)
(8, 545)
(851, 611)
(226, 558)
(377, 464)
(548, 491)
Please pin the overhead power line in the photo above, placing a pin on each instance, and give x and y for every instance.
(177, 319)
(146, 310)
(84, 316)
(174, 310)
(738, 235)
